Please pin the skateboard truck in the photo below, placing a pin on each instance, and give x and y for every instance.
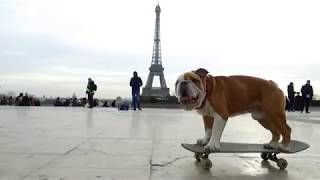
(204, 159)
(281, 163)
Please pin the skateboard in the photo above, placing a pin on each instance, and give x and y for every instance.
(226, 147)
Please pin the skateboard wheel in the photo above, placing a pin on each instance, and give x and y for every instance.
(282, 163)
(265, 156)
(206, 164)
(197, 156)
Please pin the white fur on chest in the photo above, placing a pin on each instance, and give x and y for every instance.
(207, 110)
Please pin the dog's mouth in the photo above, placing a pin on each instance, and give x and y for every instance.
(187, 99)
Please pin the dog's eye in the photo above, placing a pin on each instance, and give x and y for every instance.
(195, 82)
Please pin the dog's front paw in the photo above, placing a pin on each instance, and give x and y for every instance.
(203, 141)
(211, 148)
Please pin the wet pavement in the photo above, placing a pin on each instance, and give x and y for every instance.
(59, 143)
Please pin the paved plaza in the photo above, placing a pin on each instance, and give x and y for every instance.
(61, 143)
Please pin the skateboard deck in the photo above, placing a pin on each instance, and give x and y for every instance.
(226, 147)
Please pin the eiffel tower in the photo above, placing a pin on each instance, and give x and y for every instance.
(156, 68)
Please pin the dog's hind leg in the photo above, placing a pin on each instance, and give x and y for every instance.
(279, 122)
(285, 131)
(286, 138)
(264, 119)
(274, 142)
(274, 106)
(276, 123)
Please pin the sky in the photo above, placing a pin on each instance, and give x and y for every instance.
(51, 47)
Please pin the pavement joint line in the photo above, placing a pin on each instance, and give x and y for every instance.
(94, 150)
(69, 151)
(167, 163)
(153, 139)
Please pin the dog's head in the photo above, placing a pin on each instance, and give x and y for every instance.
(191, 88)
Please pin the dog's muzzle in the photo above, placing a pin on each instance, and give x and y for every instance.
(187, 93)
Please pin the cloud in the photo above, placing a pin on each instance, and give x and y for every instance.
(45, 66)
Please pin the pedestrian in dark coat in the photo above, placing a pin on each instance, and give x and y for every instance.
(307, 94)
(91, 88)
(135, 84)
(291, 94)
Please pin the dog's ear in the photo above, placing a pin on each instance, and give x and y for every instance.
(201, 72)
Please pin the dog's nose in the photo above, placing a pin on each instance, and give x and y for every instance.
(183, 83)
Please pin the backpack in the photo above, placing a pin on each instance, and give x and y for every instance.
(94, 87)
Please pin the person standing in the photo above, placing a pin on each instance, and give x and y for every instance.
(91, 88)
(291, 94)
(298, 102)
(135, 84)
(25, 100)
(18, 100)
(307, 94)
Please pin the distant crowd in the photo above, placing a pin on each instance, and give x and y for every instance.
(83, 102)
(21, 100)
(297, 101)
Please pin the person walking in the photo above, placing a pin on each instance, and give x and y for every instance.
(135, 84)
(91, 88)
(291, 94)
(307, 94)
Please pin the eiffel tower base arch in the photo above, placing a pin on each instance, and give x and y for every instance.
(155, 92)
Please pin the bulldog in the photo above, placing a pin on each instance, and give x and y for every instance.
(220, 97)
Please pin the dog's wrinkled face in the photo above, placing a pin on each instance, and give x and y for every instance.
(190, 89)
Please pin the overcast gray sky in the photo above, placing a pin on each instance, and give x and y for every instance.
(51, 47)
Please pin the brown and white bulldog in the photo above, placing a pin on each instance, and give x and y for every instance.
(220, 97)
